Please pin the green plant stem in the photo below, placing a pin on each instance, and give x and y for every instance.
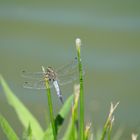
(105, 129)
(75, 116)
(81, 95)
(87, 132)
(109, 133)
(7, 129)
(51, 109)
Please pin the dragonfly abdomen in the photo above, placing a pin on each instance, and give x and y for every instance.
(58, 91)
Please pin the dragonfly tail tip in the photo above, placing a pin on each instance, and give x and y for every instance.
(61, 99)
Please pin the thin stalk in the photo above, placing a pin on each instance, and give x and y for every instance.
(109, 121)
(109, 133)
(50, 105)
(51, 111)
(75, 112)
(105, 129)
(73, 123)
(87, 131)
(110, 127)
(78, 47)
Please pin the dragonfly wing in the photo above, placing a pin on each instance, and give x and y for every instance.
(66, 79)
(36, 84)
(32, 75)
(69, 77)
(64, 70)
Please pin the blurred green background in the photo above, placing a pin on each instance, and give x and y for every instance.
(35, 33)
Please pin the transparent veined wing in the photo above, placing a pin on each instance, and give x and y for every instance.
(32, 75)
(68, 68)
(36, 84)
(69, 77)
(62, 71)
(68, 73)
(64, 75)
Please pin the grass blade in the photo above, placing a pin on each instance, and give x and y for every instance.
(75, 112)
(71, 132)
(7, 129)
(109, 121)
(50, 104)
(51, 113)
(87, 131)
(27, 135)
(59, 118)
(67, 134)
(78, 47)
(23, 113)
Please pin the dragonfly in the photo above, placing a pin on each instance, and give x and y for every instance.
(61, 76)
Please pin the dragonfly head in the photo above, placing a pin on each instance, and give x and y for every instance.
(49, 69)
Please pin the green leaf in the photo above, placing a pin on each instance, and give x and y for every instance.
(23, 113)
(7, 129)
(59, 118)
(67, 134)
(50, 105)
(71, 131)
(27, 135)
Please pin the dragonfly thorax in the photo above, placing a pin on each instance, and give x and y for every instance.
(50, 74)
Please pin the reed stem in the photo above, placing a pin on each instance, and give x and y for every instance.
(48, 91)
(78, 47)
